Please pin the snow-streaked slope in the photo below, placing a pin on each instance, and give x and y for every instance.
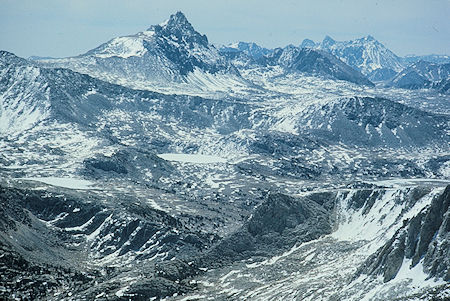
(365, 219)
(24, 98)
(421, 75)
(293, 107)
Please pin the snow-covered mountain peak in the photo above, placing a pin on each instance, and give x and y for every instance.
(328, 41)
(366, 41)
(176, 20)
(177, 27)
(174, 32)
(365, 54)
(154, 59)
(369, 38)
(5, 54)
(307, 43)
(250, 49)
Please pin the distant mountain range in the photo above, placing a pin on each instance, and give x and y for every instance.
(251, 49)
(365, 54)
(311, 61)
(422, 74)
(432, 58)
(174, 52)
(380, 64)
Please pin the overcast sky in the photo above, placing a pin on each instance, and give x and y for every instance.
(69, 27)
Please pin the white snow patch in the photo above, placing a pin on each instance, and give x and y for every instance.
(123, 47)
(82, 227)
(122, 291)
(415, 278)
(192, 158)
(210, 181)
(63, 182)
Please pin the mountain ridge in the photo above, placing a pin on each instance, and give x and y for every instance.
(366, 54)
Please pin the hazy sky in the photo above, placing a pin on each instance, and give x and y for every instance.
(70, 27)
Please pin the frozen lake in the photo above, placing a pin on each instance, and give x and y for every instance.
(63, 182)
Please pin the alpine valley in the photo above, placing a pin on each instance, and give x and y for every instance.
(160, 166)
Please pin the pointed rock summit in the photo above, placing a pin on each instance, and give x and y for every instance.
(307, 43)
(178, 19)
(328, 41)
(178, 27)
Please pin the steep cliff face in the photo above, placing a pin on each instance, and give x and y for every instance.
(287, 250)
(278, 223)
(423, 239)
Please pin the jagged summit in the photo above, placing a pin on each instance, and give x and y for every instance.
(5, 53)
(307, 43)
(178, 27)
(177, 19)
(328, 41)
(365, 54)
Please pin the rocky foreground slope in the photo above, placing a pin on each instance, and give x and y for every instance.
(57, 244)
